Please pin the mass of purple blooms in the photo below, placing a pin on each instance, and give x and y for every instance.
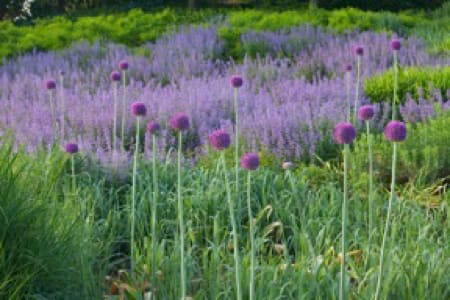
(288, 106)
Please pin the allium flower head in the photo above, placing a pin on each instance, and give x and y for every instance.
(123, 65)
(348, 68)
(50, 85)
(236, 81)
(344, 133)
(396, 44)
(138, 109)
(71, 148)
(366, 112)
(220, 139)
(287, 165)
(153, 127)
(179, 121)
(250, 161)
(115, 76)
(358, 50)
(395, 131)
(62, 73)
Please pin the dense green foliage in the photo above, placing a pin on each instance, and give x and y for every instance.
(65, 239)
(136, 27)
(416, 81)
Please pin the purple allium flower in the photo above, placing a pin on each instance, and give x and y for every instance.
(179, 121)
(287, 165)
(115, 76)
(236, 81)
(62, 73)
(50, 84)
(395, 131)
(153, 127)
(366, 112)
(348, 68)
(358, 50)
(71, 148)
(344, 133)
(250, 161)
(138, 109)
(220, 139)
(123, 65)
(396, 44)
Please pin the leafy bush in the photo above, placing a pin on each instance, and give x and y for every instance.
(419, 82)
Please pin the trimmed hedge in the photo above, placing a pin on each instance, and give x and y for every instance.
(380, 87)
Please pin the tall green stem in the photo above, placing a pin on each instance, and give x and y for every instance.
(234, 228)
(114, 135)
(342, 288)
(236, 151)
(74, 188)
(52, 111)
(386, 227)
(395, 96)
(252, 239)
(371, 206)
(124, 100)
(63, 106)
(154, 208)
(133, 195)
(347, 80)
(358, 75)
(181, 219)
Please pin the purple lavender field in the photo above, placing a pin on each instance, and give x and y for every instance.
(172, 171)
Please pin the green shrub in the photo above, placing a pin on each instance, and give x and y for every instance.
(424, 153)
(380, 87)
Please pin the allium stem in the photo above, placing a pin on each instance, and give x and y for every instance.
(371, 206)
(114, 135)
(52, 112)
(342, 288)
(386, 227)
(252, 239)
(347, 80)
(133, 195)
(154, 208)
(234, 228)
(124, 105)
(236, 151)
(74, 183)
(181, 219)
(63, 106)
(395, 96)
(358, 75)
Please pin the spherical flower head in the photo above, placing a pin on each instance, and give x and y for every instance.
(123, 65)
(138, 109)
(348, 68)
(395, 131)
(179, 121)
(287, 165)
(71, 148)
(396, 44)
(115, 76)
(236, 81)
(250, 161)
(62, 73)
(366, 112)
(220, 139)
(344, 133)
(358, 50)
(153, 127)
(50, 85)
